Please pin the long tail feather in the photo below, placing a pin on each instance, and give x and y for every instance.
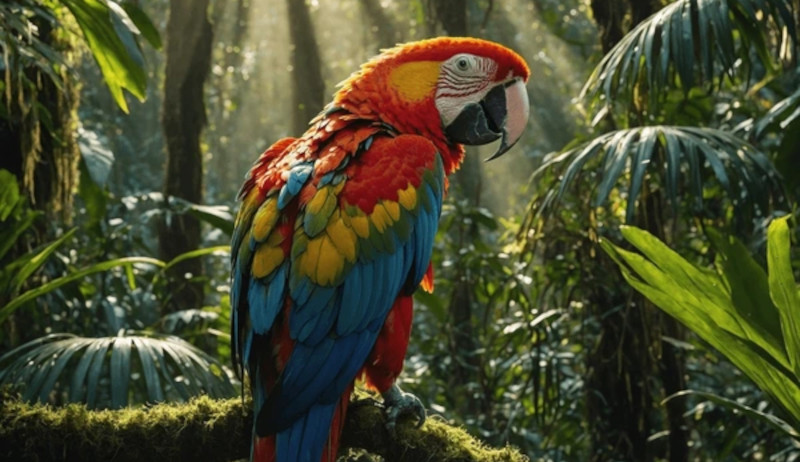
(313, 437)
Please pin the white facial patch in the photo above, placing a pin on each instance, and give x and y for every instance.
(464, 79)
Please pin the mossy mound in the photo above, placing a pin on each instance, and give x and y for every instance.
(212, 430)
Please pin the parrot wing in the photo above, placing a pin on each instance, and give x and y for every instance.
(321, 254)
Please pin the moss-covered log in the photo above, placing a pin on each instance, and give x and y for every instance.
(210, 431)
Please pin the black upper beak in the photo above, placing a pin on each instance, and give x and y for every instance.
(481, 122)
(503, 112)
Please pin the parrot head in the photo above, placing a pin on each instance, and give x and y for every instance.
(457, 91)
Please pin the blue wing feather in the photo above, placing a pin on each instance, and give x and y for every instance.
(298, 175)
(334, 327)
(351, 297)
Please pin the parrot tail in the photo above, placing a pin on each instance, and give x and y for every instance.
(301, 442)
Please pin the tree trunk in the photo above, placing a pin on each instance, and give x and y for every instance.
(467, 362)
(609, 14)
(452, 15)
(630, 351)
(188, 58)
(618, 396)
(614, 18)
(43, 157)
(671, 367)
(230, 89)
(383, 31)
(308, 90)
(38, 146)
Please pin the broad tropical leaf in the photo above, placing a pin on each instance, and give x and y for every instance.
(112, 372)
(691, 41)
(678, 155)
(111, 37)
(732, 309)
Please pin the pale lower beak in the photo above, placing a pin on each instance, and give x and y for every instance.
(517, 111)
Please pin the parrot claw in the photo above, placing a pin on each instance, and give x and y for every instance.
(397, 403)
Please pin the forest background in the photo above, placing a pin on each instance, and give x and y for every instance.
(126, 128)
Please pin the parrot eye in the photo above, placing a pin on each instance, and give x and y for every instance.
(467, 65)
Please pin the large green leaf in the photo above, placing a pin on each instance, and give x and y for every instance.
(673, 153)
(113, 371)
(143, 23)
(691, 41)
(783, 289)
(749, 290)
(112, 46)
(743, 330)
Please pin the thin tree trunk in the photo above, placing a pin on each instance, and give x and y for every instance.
(188, 58)
(226, 166)
(383, 30)
(618, 398)
(630, 350)
(452, 16)
(43, 157)
(609, 14)
(671, 365)
(308, 92)
(38, 146)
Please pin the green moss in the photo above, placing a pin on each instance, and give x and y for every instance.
(203, 429)
(436, 440)
(212, 430)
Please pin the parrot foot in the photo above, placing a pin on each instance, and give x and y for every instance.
(397, 403)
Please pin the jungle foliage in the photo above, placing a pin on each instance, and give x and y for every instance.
(682, 143)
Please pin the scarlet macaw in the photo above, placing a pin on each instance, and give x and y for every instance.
(335, 232)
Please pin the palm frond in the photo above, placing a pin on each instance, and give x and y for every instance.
(678, 155)
(781, 115)
(690, 42)
(112, 372)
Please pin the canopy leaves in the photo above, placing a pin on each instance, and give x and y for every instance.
(690, 42)
(677, 155)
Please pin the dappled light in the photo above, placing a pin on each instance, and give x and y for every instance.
(619, 285)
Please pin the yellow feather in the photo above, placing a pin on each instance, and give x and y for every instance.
(415, 80)
(331, 262)
(266, 259)
(265, 219)
(380, 218)
(408, 197)
(343, 237)
(309, 259)
(318, 201)
(360, 224)
(393, 208)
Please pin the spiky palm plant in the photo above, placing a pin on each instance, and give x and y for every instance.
(112, 372)
(690, 44)
(658, 143)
